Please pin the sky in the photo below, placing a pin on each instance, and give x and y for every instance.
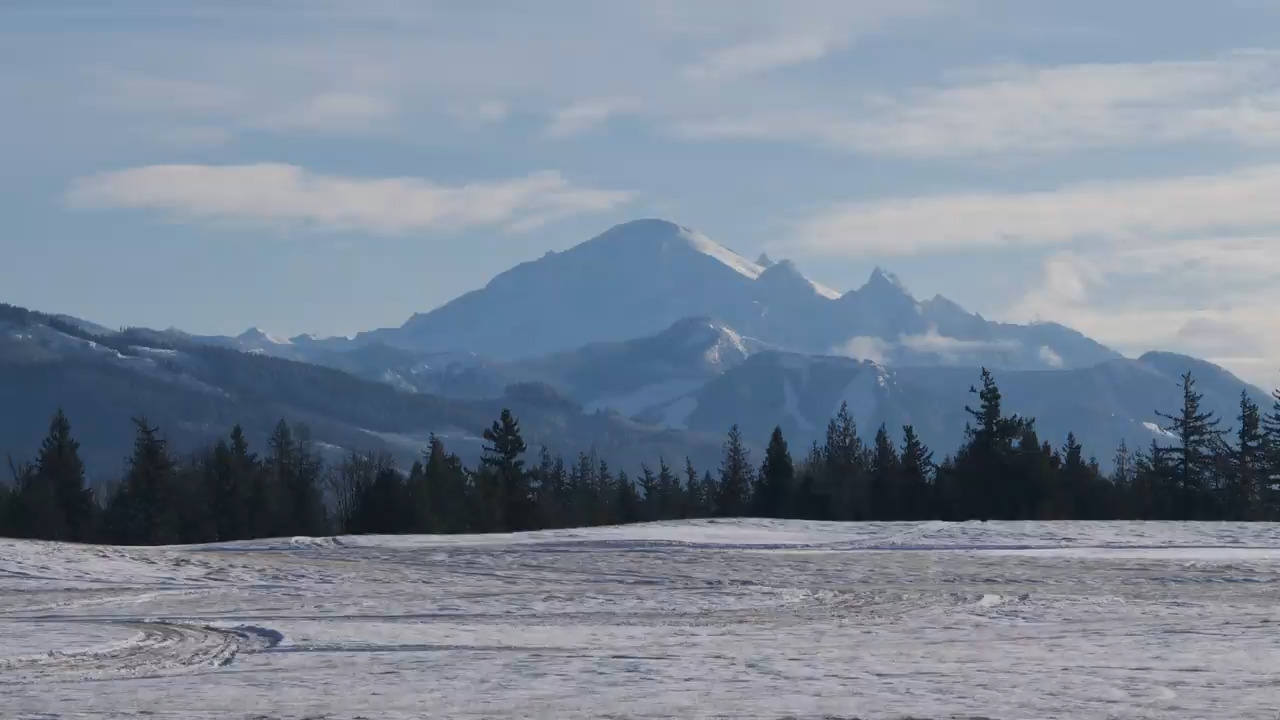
(331, 166)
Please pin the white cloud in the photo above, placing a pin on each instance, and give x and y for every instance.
(1050, 356)
(290, 195)
(875, 349)
(935, 343)
(1133, 300)
(582, 116)
(759, 56)
(1133, 210)
(1023, 110)
(485, 112)
(930, 342)
(330, 112)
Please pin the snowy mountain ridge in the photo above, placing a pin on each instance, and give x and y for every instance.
(638, 278)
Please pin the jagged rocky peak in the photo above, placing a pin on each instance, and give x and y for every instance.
(257, 335)
(882, 279)
(764, 260)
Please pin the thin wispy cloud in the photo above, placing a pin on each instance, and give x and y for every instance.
(1162, 208)
(287, 195)
(585, 115)
(332, 111)
(763, 55)
(1027, 110)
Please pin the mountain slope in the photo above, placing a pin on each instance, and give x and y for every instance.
(1103, 405)
(196, 392)
(641, 277)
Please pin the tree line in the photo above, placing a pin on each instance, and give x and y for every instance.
(1002, 470)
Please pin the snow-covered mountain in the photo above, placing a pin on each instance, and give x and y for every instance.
(1117, 400)
(641, 277)
(197, 391)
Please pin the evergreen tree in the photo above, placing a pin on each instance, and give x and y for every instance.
(986, 487)
(1195, 456)
(294, 474)
(8, 524)
(736, 477)
(382, 506)
(59, 467)
(626, 500)
(144, 509)
(650, 494)
(695, 499)
(917, 469)
(1271, 433)
(844, 468)
(886, 472)
(1247, 467)
(777, 479)
(502, 458)
(710, 491)
(1075, 476)
(672, 502)
(552, 496)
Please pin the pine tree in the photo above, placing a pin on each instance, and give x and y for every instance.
(1074, 482)
(1271, 432)
(8, 513)
(695, 499)
(777, 479)
(1122, 466)
(886, 474)
(59, 466)
(987, 488)
(844, 468)
(502, 457)
(917, 474)
(294, 475)
(144, 509)
(709, 489)
(736, 477)
(1199, 445)
(672, 499)
(552, 496)
(650, 494)
(1247, 467)
(626, 500)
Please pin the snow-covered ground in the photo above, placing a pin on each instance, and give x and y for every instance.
(703, 619)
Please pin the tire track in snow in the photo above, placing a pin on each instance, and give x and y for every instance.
(157, 649)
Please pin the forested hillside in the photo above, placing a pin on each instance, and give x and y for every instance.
(1003, 470)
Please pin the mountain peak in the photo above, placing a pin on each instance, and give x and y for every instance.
(764, 260)
(655, 232)
(881, 278)
(256, 335)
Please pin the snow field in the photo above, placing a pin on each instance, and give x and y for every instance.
(726, 619)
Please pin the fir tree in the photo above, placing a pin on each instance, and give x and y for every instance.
(671, 501)
(650, 494)
(59, 467)
(144, 509)
(1199, 445)
(844, 468)
(1247, 467)
(502, 457)
(295, 475)
(1271, 433)
(916, 461)
(777, 479)
(626, 500)
(695, 500)
(736, 477)
(886, 472)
